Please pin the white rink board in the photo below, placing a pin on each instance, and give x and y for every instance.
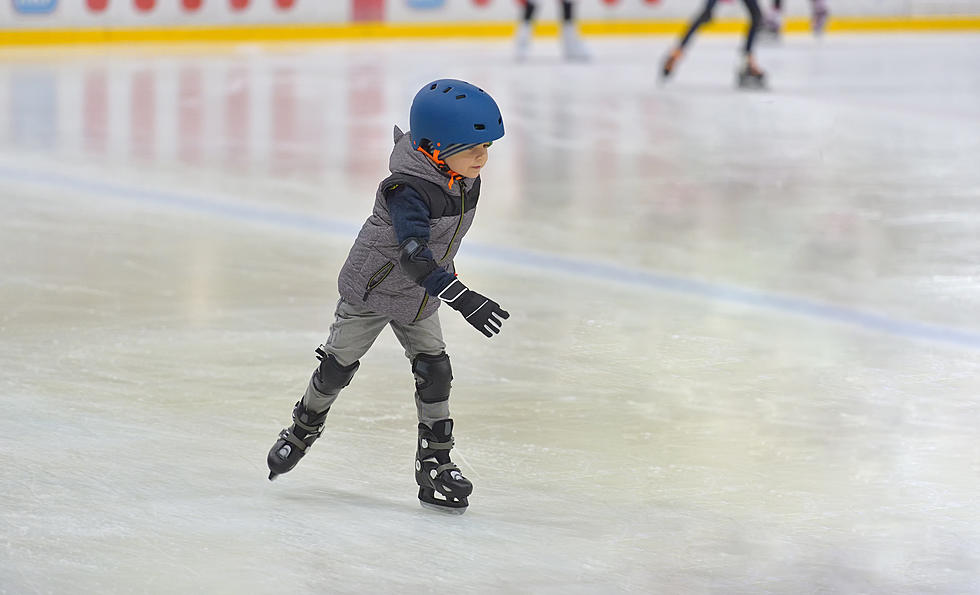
(123, 13)
(220, 13)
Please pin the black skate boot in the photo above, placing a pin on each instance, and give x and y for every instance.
(750, 77)
(441, 486)
(295, 440)
(325, 384)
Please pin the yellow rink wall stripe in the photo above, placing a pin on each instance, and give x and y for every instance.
(374, 31)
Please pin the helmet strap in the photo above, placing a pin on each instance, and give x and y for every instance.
(441, 165)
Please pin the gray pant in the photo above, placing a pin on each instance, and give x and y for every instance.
(354, 331)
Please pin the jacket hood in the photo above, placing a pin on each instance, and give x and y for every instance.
(406, 160)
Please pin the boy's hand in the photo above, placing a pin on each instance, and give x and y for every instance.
(478, 310)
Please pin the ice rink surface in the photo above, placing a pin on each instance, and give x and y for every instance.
(743, 353)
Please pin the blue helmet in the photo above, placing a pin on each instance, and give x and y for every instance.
(449, 112)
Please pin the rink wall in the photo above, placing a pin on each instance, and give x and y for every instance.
(85, 21)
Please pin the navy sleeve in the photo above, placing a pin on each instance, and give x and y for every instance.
(409, 213)
(410, 218)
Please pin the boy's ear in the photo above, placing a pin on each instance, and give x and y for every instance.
(397, 133)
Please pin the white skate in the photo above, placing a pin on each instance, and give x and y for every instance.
(573, 48)
(523, 42)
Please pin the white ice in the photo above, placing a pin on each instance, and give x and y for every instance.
(743, 352)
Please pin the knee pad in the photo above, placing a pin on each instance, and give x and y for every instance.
(433, 377)
(331, 376)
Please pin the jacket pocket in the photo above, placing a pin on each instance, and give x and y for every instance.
(425, 300)
(376, 279)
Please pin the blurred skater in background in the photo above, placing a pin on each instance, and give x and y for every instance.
(772, 24)
(573, 48)
(750, 76)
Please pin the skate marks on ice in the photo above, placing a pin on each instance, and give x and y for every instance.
(666, 425)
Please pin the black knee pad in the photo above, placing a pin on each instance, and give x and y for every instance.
(331, 375)
(433, 377)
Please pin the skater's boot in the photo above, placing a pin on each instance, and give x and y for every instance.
(772, 25)
(819, 17)
(295, 440)
(573, 48)
(670, 62)
(441, 486)
(522, 42)
(751, 76)
(310, 412)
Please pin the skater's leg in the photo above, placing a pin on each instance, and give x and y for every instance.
(426, 349)
(441, 484)
(701, 19)
(530, 6)
(670, 62)
(353, 332)
(755, 15)
(750, 76)
(572, 45)
(525, 29)
(819, 17)
(772, 22)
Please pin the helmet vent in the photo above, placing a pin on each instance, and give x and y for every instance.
(479, 127)
(461, 96)
(433, 87)
(447, 89)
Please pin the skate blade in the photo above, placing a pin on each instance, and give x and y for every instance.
(442, 509)
(273, 475)
(752, 86)
(432, 499)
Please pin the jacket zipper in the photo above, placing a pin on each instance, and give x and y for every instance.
(462, 211)
(425, 300)
(376, 279)
(459, 225)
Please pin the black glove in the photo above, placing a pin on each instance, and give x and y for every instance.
(480, 311)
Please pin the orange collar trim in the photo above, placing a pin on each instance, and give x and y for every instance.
(442, 165)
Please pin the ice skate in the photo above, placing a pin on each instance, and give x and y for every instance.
(295, 440)
(751, 77)
(771, 27)
(441, 485)
(818, 20)
(327, 381)
(522, 46)
(573, 48)
(670, 62)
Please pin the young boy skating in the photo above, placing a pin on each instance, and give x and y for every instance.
(399, 270)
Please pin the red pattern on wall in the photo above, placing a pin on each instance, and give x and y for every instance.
(239, 4)
(192, 5)
(285, 4)
(145, 5)
(368, 10)
(97, 5)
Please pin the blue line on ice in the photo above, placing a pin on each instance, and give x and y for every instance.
(549, 262)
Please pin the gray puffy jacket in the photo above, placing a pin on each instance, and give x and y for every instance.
(371, 276)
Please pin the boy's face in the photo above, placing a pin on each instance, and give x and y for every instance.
(468, 163)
